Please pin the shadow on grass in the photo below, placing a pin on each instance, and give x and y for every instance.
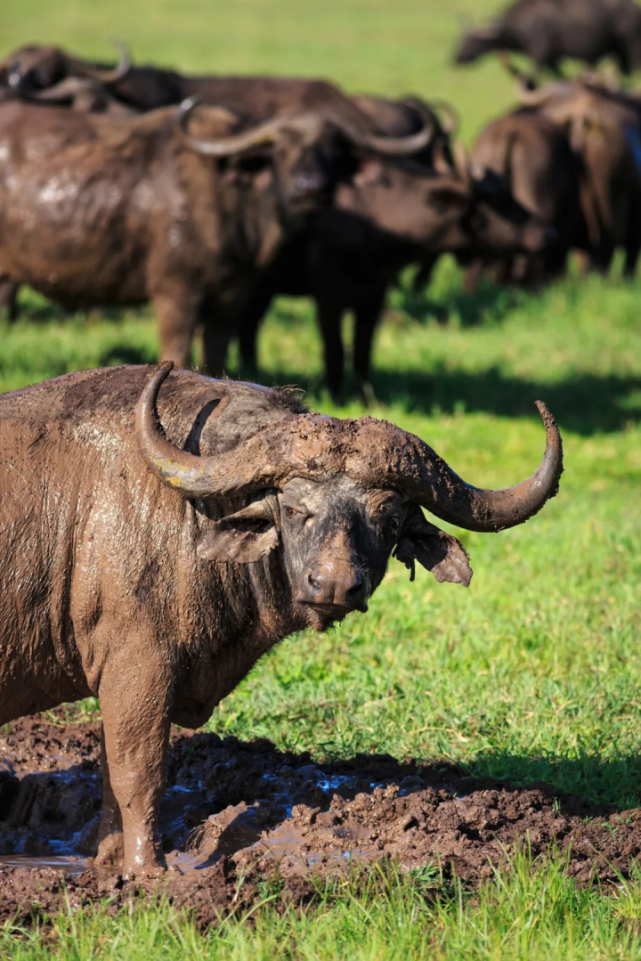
(471, 307)
(585, 785)
(607, 784)
(127, 355)
(586, 404)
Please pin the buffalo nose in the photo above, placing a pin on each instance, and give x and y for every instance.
(332, 588)
(308, 183)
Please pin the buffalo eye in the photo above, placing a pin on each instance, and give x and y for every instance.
(292, 514)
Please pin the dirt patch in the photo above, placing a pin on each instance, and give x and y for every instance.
(235, 814)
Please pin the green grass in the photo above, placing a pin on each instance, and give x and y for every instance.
(535, 672)
(527, 913)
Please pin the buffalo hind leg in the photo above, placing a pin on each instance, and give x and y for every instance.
(134, 697)
(111, 847)
(249, 325)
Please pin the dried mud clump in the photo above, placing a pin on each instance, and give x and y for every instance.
(236, 814)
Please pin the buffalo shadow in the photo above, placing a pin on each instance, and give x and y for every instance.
(471, 307)
(257, 784)
(585, 403)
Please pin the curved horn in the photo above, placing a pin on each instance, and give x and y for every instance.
(227, 146)
(118, 73)
(395, 146)
(453, 119)
(374, 452)
(69, 87)
(263, 461)
(406, 463)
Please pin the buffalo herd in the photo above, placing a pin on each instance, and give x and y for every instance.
(210, 195)
(204, 520)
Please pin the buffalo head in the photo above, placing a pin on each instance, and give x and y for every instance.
(310, 153)
(476, 43)
(29, 71)
(335, 498)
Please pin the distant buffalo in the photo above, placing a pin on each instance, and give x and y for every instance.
(99, 211)
(548, 31)
(387, 217)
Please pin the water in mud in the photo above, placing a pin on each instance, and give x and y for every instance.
(237, 810)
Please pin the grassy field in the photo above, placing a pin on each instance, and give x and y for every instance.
(534, 672)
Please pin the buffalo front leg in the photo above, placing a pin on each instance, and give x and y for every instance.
(330, 315)
(134, 696)
(249, 324)
(111, 847)
(367, 315)
(9, 299)
(216, 337)
(177, 313)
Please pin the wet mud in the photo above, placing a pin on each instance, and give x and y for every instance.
(236, 814)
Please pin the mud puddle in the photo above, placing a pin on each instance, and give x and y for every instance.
(235, 813)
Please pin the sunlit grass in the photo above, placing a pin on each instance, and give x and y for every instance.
(534, 673)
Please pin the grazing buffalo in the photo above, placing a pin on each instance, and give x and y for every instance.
(603, 128)
(550, 30)
(534, 156)
(98, 211)
(188, 540)
(389, 216)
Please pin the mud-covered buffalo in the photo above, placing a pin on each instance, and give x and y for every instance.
(154, 544)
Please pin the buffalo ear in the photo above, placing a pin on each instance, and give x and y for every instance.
(438, 552)
(240, 538)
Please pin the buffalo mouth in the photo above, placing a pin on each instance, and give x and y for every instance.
(323, 616)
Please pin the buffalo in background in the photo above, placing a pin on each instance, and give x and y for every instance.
(123, 211)
(372, 186)
(549, 31)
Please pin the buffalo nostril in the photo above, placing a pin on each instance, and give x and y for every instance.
(314, 583)
(355, 591)
(356, 588)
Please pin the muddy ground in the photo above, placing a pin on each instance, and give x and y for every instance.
(237, 813)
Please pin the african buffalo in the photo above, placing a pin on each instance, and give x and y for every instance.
(99, 211)
(550, 30)
(36, 72)
(389, 216)
(603, 128)
(534, 156)
(186, 542)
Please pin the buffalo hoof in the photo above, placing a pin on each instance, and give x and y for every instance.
(111, 851)
(365, 393)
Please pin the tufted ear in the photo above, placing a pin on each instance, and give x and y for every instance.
(241, 538)
(437, 551)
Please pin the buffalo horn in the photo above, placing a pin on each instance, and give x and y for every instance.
(417, 471)
(462, 162)
(65, 89)
(118, 73)
(372, 452)
(263, 133)
(394, 146)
